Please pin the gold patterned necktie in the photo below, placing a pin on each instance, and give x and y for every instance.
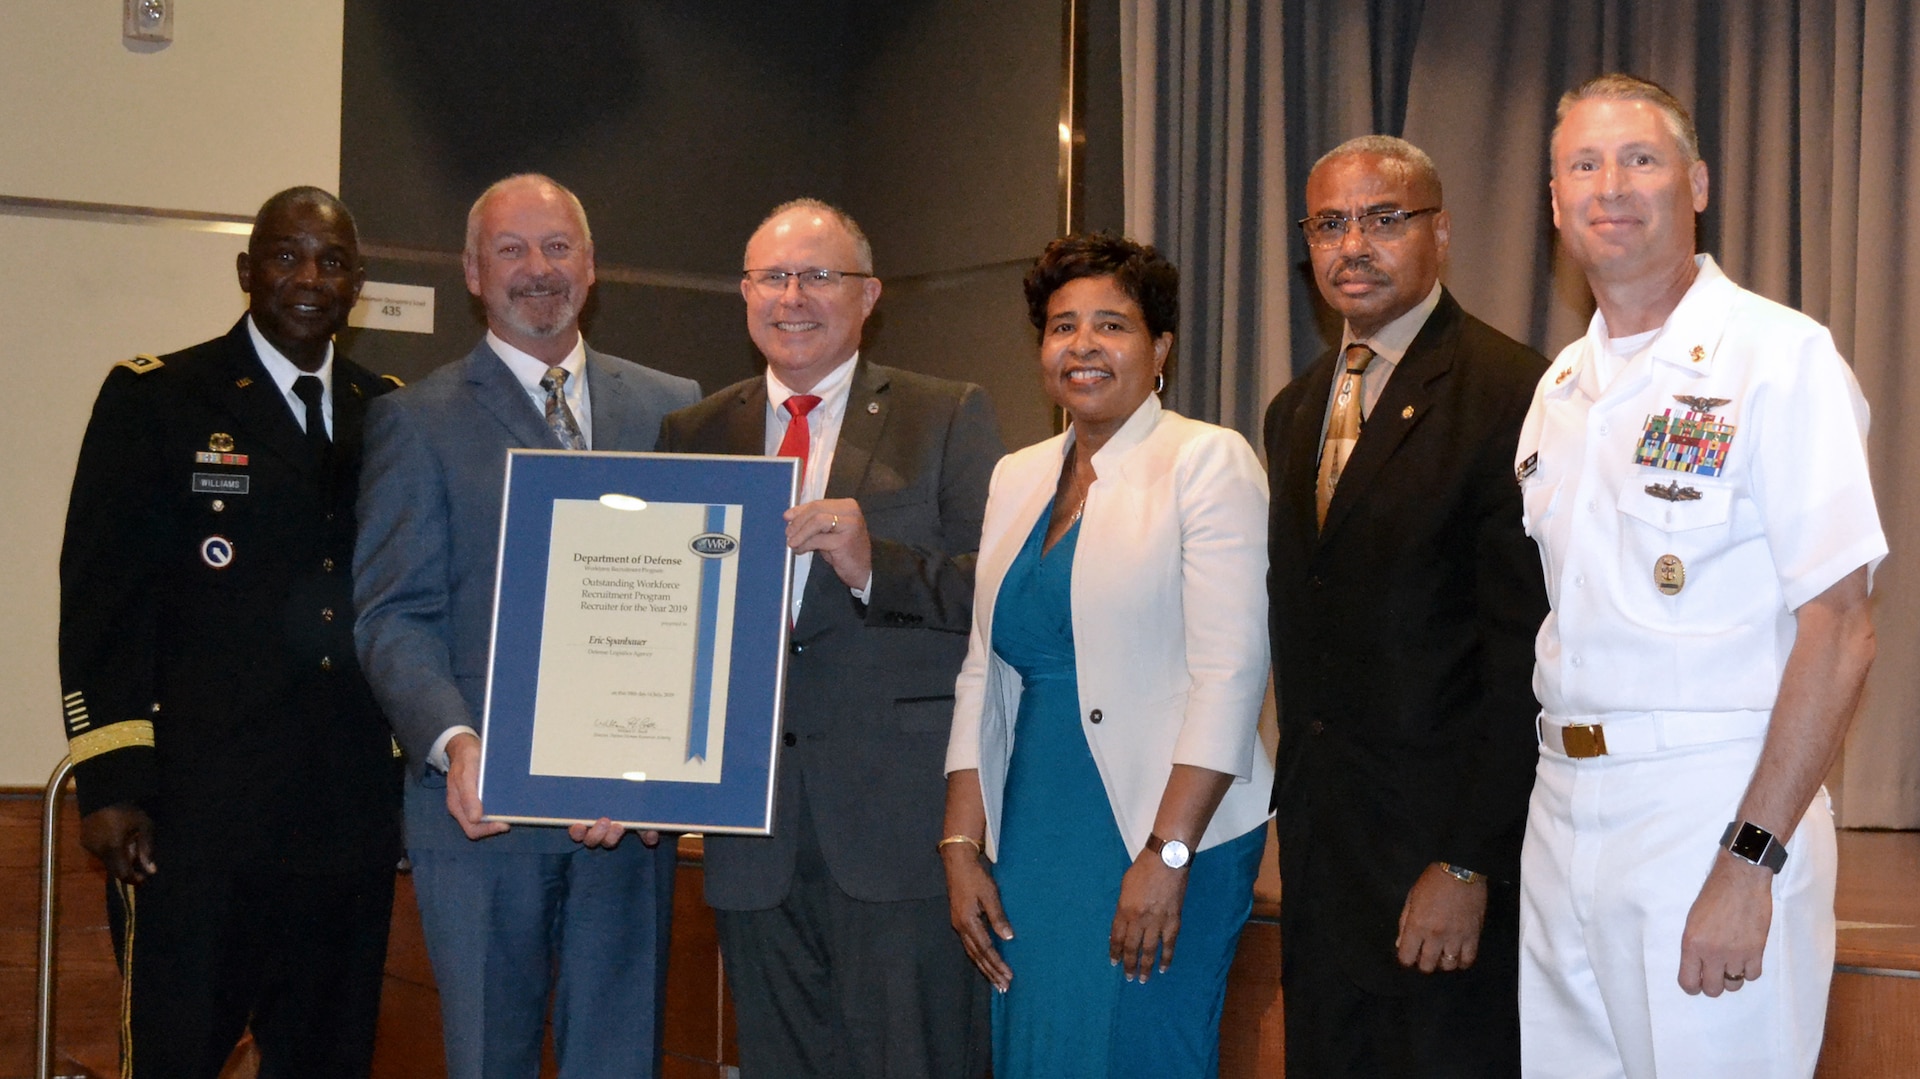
(559, 416)
(1343, 429)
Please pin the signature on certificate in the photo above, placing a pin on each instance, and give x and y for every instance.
(625, 725)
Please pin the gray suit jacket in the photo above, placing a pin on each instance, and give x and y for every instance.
(430, 490)
(869, 696)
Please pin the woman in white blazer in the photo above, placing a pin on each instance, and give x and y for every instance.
(1107, 787)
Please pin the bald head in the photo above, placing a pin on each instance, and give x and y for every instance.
(815, 213)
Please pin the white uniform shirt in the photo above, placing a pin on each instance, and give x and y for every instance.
(1783, 513)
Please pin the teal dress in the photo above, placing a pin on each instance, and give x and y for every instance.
(1070, 1012)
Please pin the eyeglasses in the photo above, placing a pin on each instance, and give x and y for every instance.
(808, 280)
(1381, 225)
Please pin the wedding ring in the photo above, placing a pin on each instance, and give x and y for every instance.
(1735, 977)
(834, 525)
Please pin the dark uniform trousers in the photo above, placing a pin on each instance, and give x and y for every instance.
(208, 669)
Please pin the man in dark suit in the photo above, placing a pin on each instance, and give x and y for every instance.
(1405, 597)
(834, 929)
(232, 769)
(511, 918)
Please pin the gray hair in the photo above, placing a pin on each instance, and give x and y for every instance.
(517, 179)
(1617, 86)
(1419, 166)
(862, 250)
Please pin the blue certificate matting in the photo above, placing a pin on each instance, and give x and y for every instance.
(650, 592)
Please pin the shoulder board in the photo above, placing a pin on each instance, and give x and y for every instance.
(394, 379)
(141, 364)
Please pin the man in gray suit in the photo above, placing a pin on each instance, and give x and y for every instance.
(834, 930)
(510, 917)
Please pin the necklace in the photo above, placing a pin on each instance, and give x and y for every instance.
(1076, 511)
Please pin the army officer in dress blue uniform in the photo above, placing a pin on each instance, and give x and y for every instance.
(233, 771)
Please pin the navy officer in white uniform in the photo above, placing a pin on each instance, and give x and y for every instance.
(1694, 471)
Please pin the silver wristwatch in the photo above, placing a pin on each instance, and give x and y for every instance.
(1173, 853)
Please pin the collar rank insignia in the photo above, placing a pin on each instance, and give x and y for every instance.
(220, 442)
(1527, 467)
(1702, 404)
(1562, 376)
(243, 382)
(1698, 354)
(1673, 492)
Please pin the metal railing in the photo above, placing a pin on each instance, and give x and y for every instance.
(49, 923)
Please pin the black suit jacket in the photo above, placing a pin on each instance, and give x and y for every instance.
(869, 695)
(1403, 636)
(221, 693)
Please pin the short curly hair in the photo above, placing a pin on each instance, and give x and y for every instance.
(1147, 278)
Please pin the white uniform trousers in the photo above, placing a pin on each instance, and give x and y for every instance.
(1616, 850)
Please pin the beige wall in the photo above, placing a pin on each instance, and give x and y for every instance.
(244, 102)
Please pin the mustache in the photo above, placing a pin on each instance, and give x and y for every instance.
(550, 283)
(1359, 269)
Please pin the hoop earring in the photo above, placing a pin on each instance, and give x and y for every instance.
(1159, 382)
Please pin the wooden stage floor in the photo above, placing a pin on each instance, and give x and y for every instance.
(1873, 1027)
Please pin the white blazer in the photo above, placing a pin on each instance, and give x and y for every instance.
(1169, 619)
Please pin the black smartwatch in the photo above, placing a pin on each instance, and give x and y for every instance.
(1755, 844)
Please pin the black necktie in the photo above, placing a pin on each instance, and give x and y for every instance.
(307, 388)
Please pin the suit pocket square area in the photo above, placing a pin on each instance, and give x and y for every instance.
(924, 715)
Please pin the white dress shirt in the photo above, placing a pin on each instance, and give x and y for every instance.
(528, 371)
(823, 437)
(1389, 345)
(283, 372)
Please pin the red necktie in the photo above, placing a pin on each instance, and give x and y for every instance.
(798, 437)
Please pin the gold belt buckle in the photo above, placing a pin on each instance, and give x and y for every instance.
(1584, 740)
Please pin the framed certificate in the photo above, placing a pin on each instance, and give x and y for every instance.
(639, 640)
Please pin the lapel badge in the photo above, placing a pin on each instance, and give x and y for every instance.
(1527, 467)
(1562, 376)
(1670, 574)
(1698, 353)
(217, 551)
(220, 442)
(1673, 492)
(1406, 413)
(243, 382)
(873, 408)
